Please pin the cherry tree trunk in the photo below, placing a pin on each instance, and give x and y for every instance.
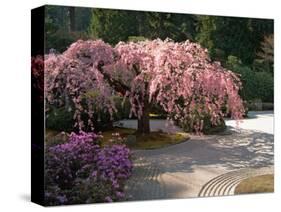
(143, 122)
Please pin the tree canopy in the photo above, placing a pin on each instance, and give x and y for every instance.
(179, 76)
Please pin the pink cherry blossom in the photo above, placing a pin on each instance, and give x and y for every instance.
(179, 76)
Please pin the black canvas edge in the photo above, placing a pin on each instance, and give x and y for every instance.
(37, 111)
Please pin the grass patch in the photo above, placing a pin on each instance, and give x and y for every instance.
(49, 134)
(157, 116)
(107, 135)
(53, 137)
(258, 184)
(153, 115)
(153, 140)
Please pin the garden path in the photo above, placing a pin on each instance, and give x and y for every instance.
(217, 161)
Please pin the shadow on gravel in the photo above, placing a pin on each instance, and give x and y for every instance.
(244, 149)
(234, 150)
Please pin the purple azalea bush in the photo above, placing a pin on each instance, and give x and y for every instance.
(81, 171)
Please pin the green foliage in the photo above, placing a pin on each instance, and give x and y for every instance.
(61, 39)
(59, 34)
(265, 86)
(136, 38)
(120, 25)
(260, 65)
(223, 36)
(178, 27)
(157, 112)
(232, 36)
(112, 25)
(208, 127)
(256, 85)
(267, 106)
(82, 18)
(60, 120)
(266, 54)
(233, 61)
(123, 108)
(206, 27)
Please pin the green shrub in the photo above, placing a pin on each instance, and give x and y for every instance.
(158, 111)
(208, 127)
(256, 85)
(261, 66)
(265, 86)
(267, 106)
(60, 119)
(233, 61)
(136, 38)
(246, 108)
(123, 108)
(61, 39)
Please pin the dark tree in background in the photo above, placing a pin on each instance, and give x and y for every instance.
(72, 24)
(225, 36)
(266, 54)
(120, 25)
(112, 25)
(65, 25)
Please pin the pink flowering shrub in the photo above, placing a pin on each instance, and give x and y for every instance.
(180, 77)
(73, 81)
(37, 77)
(81, 171)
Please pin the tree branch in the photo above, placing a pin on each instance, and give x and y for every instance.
(115, 84)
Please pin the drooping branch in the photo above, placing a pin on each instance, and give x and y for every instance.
(136, 69)
(177, 76)
(115, 84)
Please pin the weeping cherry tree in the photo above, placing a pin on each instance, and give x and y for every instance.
(180, 77)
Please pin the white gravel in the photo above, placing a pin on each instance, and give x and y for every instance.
(262, 121)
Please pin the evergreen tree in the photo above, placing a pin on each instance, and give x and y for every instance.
(112, 25)
(118, 25)
(225, 36)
